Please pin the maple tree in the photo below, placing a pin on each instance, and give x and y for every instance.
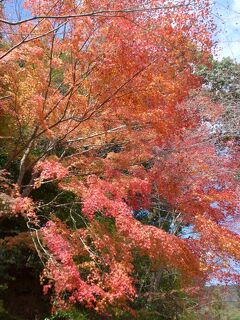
(101, 101)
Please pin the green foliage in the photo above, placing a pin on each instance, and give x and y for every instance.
(220, 303)
(222, 80)
(160, 294)
(72, 314)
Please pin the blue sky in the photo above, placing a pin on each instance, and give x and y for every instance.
(227, 16)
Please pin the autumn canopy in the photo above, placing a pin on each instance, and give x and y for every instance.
(102, 102)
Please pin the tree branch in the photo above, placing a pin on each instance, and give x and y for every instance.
(93, 14)
(25, 39)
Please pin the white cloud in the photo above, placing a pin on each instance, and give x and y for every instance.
(236, 5)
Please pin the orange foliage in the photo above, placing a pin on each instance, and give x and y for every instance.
(104, 85)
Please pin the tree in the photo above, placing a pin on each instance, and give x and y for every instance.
(222, 83)
(95, 97)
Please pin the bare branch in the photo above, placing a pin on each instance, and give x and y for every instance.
(119, 128)
(5, 98)
(99, 13)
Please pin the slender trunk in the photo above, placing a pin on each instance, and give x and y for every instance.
(22, 168)
(19, 151)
